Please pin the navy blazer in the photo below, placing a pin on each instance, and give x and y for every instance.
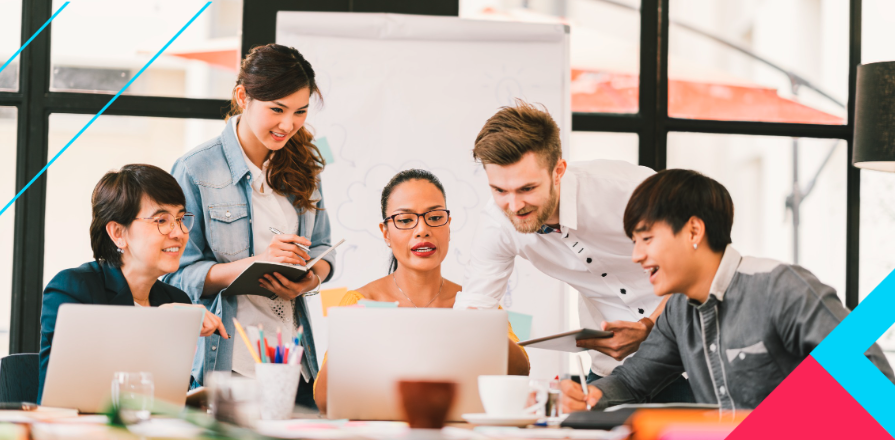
(91, 283)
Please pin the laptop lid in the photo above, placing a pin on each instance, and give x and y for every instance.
(370, 350)
(92, 342)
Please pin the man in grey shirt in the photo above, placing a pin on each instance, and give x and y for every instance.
(736, 325)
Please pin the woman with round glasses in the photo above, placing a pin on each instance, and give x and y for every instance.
(416, 226)
(138, 233)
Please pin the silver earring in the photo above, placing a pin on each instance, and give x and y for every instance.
(120, 251)
(388, 244)
(694, 246)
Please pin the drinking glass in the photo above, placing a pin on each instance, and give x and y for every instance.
(132, 395)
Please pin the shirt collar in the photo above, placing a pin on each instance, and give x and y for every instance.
(233, 151)
(726, 270)
(568, 203)
(120, 292)
(258, 179)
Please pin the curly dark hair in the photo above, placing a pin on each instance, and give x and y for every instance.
(272, 72)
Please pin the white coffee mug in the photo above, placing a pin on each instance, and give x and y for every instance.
(506, 396)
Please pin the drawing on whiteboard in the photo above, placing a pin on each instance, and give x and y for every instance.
(341, 257)
(507, 86)
(361, 212)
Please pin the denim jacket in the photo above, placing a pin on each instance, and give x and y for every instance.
(216, 182)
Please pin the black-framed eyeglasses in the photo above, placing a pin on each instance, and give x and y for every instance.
(165, 222)
(409, 220)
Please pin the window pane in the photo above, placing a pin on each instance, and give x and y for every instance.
(715, 66)
(7, 192)
(758, 172)
(878, 28)
(877, 224)
(605, 45)
(101, 44)
(877, 240)
(590, 145)
(110, 143)
(10, 41)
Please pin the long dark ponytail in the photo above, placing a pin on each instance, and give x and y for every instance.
(272, 72)
(404, 176)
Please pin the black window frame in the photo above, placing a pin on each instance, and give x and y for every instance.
(35, 102)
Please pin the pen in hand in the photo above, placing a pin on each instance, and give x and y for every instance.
(300, 246)
(583, 378)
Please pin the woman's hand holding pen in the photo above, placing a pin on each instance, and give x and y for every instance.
(283, 249)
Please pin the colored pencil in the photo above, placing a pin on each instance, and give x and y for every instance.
(263, 343)
(245, 339)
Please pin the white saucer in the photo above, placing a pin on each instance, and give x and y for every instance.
(485, 419)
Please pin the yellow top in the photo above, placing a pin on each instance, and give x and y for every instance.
(352, 297)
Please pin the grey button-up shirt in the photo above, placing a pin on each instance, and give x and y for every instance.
(761, 320)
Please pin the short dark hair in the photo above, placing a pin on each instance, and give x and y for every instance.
(515, 131)
(117, 198)
(404, 176)
(674, 196)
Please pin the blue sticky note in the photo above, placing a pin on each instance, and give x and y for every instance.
(378, 304)
(521, 324)
(325, 151)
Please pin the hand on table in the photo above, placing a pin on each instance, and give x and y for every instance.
(626, 340)
(573, 398)
(210, 323)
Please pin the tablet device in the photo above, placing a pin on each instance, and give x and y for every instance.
(597, 419)
(566, 341)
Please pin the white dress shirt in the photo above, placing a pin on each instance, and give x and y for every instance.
(590, 251)
(269, 209)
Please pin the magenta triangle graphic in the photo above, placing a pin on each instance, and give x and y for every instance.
(809, 404)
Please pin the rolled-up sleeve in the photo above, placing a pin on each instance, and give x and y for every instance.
(321, 236)
(490, 265)
(197, 258)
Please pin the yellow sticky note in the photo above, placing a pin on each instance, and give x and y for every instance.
(332, 298)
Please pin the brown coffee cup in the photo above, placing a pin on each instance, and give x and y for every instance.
(426, 403)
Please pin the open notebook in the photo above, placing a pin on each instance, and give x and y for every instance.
(247, 281)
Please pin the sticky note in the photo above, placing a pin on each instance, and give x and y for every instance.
(325, 151)
(378, 304)
(331, 298)
(521, 324)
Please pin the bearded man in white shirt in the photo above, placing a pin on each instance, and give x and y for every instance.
(566, 219)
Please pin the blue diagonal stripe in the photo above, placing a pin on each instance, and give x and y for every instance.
(32, 38)
(842, 353)
(44, 169)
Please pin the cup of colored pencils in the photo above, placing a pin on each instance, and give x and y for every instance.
(277, 370)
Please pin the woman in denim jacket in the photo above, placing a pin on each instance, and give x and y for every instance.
(262, 172)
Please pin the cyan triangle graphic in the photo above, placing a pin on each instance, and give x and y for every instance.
(842, 353)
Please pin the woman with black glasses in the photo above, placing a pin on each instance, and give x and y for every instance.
(138, 233)
(416, 226)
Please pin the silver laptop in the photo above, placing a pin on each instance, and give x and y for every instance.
(92, 342)
(371, 349)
